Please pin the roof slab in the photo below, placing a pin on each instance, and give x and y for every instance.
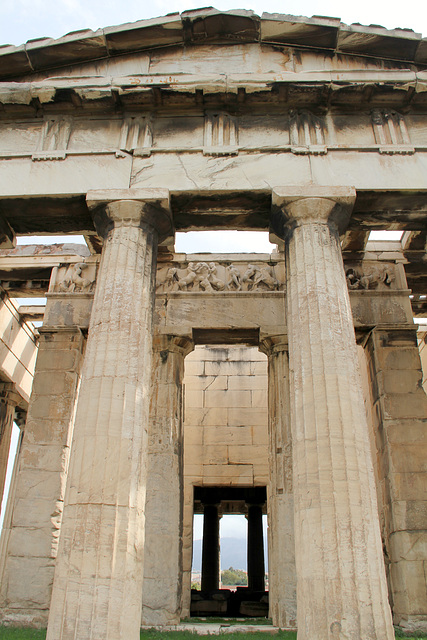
(212, 26)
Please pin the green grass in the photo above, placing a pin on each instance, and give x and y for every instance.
(15, 633)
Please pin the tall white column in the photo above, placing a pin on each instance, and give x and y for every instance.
(97, 591)
(341, 586)
(281, 551)
(162, 586)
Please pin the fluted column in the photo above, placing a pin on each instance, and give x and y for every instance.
(341, 592)
(97, 591)
(162, 587)
(8, 401)
(210, 548)
(280, 504)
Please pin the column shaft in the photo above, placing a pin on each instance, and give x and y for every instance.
(256, 570)
(162, 587)
(97, 589)
(8, 401)
(30, 538)
(342, 592)
(280, 504)
(210, 548)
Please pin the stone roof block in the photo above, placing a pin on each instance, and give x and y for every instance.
(213, 26)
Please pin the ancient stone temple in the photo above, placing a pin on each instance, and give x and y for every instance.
(167, 384)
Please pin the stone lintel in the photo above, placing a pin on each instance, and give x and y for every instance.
(140, 206)
(294, 206)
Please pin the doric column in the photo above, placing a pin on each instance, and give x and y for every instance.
(210, 548)
(29, 540)
(341, 586)
(162, 586)
(256, 571)
(97, 591)
(399, 422)
(8, 401)
(280, 504)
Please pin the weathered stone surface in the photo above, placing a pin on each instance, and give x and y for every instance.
(31, 528)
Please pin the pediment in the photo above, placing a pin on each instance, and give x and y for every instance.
(210, 41)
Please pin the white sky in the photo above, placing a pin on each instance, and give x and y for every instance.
(21, 20)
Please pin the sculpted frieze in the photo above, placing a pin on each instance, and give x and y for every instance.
(223, 275)
(78, 277)
(370, 276)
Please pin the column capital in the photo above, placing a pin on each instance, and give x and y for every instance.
(274, 344)
(175, 344)
(138, 207)
(8, 394)
(296, 206)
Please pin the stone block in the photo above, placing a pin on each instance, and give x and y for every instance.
(36, 512)
(406, 405)
(248, 454)
(30, 542)
(51, 383)
(260, 398)
(193, 368)
(218, 398)
(207, 417)
(408, 486)
(232, 368)
(217, 454)
(45, 431)
(56, 359)
(207, 382)
(226, 436)
(410, 546)
(406, 431)
(409, 587)
(46, 457)
(194, 398)
(393, 382)
(29, 575)
(409, 514)
(229, 473)
(408, 458)
(38, 484)
(246, 417)
(254, 383)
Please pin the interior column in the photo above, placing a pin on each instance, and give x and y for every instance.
(341, 585)
(210, 548)
(256, 570)
(8, 401)
(162, 587)
(97, 591)
(280, 504)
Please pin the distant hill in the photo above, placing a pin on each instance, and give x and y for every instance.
(233, 554)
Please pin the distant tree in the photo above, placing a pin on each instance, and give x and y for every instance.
(195, 585)
(231, 577)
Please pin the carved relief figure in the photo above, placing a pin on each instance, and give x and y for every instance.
(73, 280)
(203, 273)
(368, 278)
(249, 275)
(217, 284)
(233, 278)
(265, 275)
(191, 276)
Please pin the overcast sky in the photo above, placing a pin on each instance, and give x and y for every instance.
(22, 20)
